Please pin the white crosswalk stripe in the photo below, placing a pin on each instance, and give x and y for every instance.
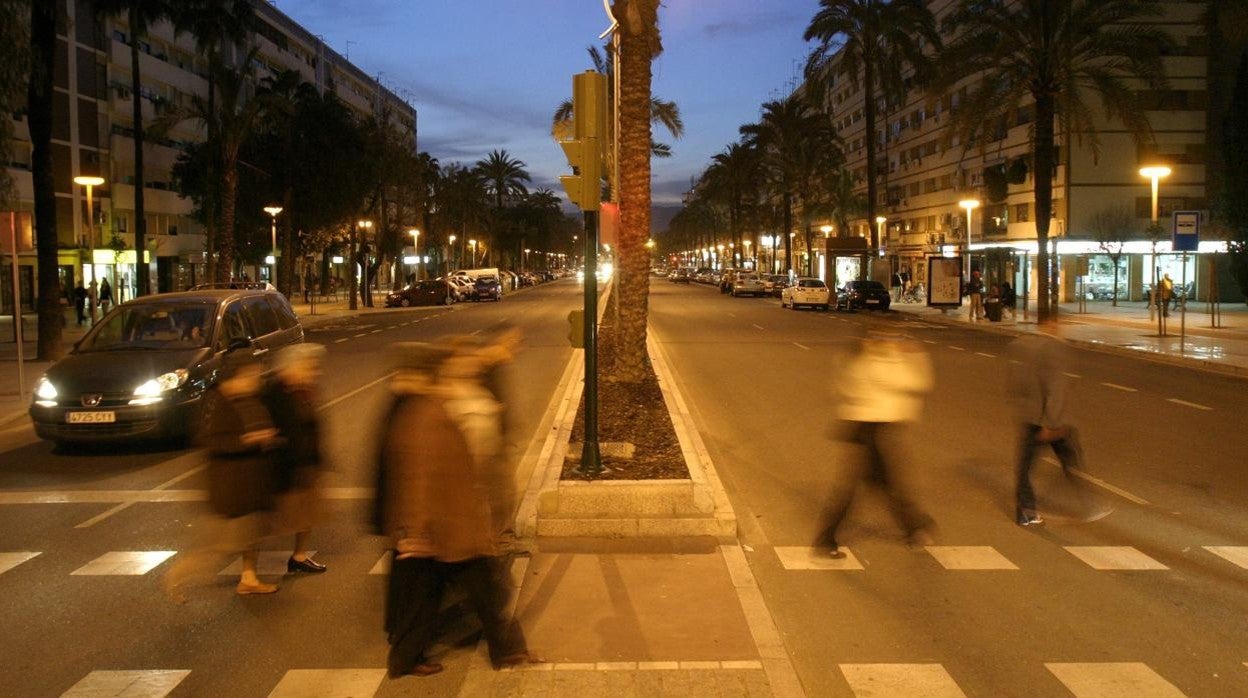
(901, 680)
(10, 560)
(131, 563)
(1114, 557)
(268, 563)
(328, 683)
(1113, 680)
(1235, 554)
(806, 558)
(130, 684)
(970, 557)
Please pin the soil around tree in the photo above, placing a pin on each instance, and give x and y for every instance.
(632, 413)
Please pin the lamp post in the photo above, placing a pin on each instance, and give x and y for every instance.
(273, 211)
(970, 205)
(415, 233)
(719, 256)
(362, 226)
(473, 243)
(1154, 173)
(747, 244)
(524, 265)
(451, 244)
(90, 182)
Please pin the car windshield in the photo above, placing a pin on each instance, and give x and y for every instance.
(153, 326)
(810, 283)
(867, 286)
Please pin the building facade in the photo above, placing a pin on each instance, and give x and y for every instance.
(921, 182)
(93, 135)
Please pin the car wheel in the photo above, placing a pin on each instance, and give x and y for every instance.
(824, 307)
(446, 300)
(404, 302)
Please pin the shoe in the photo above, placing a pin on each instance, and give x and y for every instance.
(426, 669)
(516, 659)
(305, 565)
(919, 539)
(244, 589)
(1031, 519)
(835, 553)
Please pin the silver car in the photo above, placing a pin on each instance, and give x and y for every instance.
(747, 284)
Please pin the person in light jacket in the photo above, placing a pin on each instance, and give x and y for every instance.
(881, 388)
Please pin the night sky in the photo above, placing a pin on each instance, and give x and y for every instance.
(486, 74)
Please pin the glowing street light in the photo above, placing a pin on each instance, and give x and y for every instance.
(970, 205)
(473, 243)
(415, 233)
(90, 182)
(273, 211)
(1154, 173)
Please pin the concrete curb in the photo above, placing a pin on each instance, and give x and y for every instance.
(1155, 357)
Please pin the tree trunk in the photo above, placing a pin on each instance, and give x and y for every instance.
(788, 228)
(142, 270)
(1043, 176)
(1114, 259)
(39, 119)
(286, 264)
(638, 42)
(225, 241)
(353, 285)
(211, 200)
(868, 111)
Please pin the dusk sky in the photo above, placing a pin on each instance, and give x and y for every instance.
(486, 74)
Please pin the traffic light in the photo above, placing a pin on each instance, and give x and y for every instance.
(584, 151)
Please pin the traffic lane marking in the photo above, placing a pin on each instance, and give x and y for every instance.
(1108, 487)
(984, 353)
(1185, 403)
(956, 348)
(757, 327)
(1115, 386)
(801, 346)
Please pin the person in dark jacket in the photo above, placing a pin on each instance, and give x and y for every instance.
(239, 436)
(80, 302)
(106, 295)
(291, 397)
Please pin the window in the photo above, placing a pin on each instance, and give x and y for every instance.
(286, 317)
(232, 326)
(261, 316)
(1022, 213)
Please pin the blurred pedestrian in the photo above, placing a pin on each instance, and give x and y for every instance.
(1009, 299)
(881, 388)
(432, 501)
(93, 296)
(1040, 391)
(1167, 293)
(240, 439)
(292, 399)
(80, 302)
(106, 295)
(975, 290)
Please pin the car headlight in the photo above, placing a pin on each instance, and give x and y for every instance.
(158, 385)
(45, 393)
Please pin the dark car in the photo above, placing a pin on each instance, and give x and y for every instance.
(870, 295)
(141, 372)
(487, 287)
(681, 276)
(421, 293)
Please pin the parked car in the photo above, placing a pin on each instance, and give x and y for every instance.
(436, 292)
(142, 370)
(773, 284)
(806, 290)
(860, 294)
(747, 284)
(681, 276)
(487, 288)
(461, 287)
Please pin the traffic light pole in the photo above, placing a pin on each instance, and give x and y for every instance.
(591, 461)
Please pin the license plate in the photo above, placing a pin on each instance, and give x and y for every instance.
(90, 417)
(873, 301)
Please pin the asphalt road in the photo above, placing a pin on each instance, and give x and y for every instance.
(1165, 446)
(60, 624)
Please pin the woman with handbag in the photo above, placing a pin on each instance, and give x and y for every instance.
(239, 436)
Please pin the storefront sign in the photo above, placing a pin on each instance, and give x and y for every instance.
(944, 282)
(1186, 231)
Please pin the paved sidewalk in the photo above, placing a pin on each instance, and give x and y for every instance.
(1129, 329)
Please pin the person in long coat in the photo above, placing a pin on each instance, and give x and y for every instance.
(291, 398)
(434, 505)
(239, 438)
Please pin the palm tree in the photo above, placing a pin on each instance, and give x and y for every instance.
(503, 176)
(461, 199)
(1055, 55)
(733, 178)
(140, 14)
(640, 43)
(872, 41)
(214, 24)
(784, 137)
(39, 120)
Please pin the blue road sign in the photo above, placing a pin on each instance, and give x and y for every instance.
(1186, 234)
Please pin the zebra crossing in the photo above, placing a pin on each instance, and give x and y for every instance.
(982, 557)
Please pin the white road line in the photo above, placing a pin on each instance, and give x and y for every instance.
(374, 332)
(757, 327)
(355, 392)
(984, 353)
(340, 341)
(1123, 388)
(1068, 374)
(361, 334)
(1185, 403)
(1102, 484)
(930, 341)
(801, 346)
(956, 348)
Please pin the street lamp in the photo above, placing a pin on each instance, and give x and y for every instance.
(451, 243)
(747, 244)
(90, 182)
(273, 211)
(970, 205)
(719, 257)
(525, 265)
(474, 253)
(1154, 173)
(826, 230)
(415, 233)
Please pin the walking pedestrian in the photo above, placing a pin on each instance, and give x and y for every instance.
(896, 284)
(106, 295)
(240, 439)
(975, 290)
(881, 388)
(1167, 293)
(1009, 299)
(291, 398)
(1040, 391)
(442, 430)
(80, 302)
(93, 297)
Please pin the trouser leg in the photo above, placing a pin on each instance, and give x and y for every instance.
(1025, 496)
(412, 602)
(900, 502)
(839, 502)
(482, 580)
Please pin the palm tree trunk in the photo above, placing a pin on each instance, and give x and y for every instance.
(868, 84)
(788, 227)
(1043, 174)
(39, 119)
(634, 279)
(211, 201)
(353, 264)
(286, 266)
(136, 102)
(225, 243)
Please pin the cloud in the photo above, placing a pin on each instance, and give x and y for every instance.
(753, 25)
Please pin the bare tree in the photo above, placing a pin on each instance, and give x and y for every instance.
(1112, 228)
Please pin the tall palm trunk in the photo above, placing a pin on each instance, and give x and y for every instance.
(637, 50)
(225, 248)
(211, 201)
(39, 119)
(136, 102)
(868, 80)
(1043, 173)
(788, 228)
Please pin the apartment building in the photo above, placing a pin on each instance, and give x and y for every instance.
(921, 183)
(93, 135)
